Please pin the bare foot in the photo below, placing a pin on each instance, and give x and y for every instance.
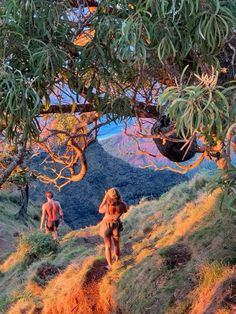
(108, 267)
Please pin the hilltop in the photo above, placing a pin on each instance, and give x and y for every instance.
(178, 257)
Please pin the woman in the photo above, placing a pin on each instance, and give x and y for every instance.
(113, 207)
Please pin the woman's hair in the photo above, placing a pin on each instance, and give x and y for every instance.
(114, 197)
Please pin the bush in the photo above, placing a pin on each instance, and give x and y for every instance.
(175, 255)
(35, 246)
(45, 272)
(199, 181)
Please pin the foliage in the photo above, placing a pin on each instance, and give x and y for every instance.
(225, 180)
(21, 177)
(33, 35)
(130, 51)
(35, 246)
(38, 52)
(205, 104)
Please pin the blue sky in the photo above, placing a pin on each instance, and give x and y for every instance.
(110, 130)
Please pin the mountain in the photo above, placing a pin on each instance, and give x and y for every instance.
(80, 200)
(126, 148)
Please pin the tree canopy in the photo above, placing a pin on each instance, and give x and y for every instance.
(170, 61)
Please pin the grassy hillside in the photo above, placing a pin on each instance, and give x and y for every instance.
(178, 257)
(10, 228)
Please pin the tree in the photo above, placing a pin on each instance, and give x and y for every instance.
(20, 176)
(171, 61)
(21, 179)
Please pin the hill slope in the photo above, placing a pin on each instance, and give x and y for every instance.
(178, 257)
(9, 226)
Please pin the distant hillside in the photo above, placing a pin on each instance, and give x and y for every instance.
(178, 257)
(80, 200)
(125, 148)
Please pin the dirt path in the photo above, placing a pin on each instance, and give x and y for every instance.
(91, 289)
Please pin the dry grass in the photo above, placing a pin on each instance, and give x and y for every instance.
(215, 281)
(23, 306)
(188, 220)
(77, 290)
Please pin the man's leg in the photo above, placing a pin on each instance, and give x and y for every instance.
(54, 231)
(47, 231)
(54, 235)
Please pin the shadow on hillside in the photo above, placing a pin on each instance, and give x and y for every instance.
(89, 241)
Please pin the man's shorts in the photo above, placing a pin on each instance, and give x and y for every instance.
(52, 225)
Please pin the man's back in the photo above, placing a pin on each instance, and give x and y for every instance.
(52, 209)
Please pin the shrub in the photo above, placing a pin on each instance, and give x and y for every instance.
(35, 246)
(14, 198)
(45, 272)
(175, 255)
(199, 181)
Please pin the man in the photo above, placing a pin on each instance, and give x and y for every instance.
(52, 214)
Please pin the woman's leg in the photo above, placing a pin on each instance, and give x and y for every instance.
(107, 242)
(117, 248)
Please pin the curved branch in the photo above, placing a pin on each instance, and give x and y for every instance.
(182, 169)
(70, 164)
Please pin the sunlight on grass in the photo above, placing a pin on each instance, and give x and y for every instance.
(187, 220)
(211, 288)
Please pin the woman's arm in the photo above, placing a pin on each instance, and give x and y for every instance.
(103, 206)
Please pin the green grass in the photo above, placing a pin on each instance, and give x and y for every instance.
(9, 225)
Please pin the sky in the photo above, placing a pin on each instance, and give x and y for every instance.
(110, 130)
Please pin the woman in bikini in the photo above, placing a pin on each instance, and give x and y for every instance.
(113, 207)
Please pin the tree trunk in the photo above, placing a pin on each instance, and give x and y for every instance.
(5, 174)
(22, 214)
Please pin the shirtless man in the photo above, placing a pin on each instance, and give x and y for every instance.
(52, 214)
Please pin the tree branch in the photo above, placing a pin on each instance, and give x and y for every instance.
(181, 169)
(140, 109)
(12, 166)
